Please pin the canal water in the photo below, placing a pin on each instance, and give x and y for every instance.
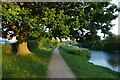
(105, 59)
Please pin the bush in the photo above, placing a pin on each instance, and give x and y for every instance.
(46, 42)
(85, 53)
(6, 48)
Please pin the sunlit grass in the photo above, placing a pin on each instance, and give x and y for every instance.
(34, 65)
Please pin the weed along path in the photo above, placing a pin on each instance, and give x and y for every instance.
(58, 67)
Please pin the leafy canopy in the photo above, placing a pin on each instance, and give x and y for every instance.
(77, 20)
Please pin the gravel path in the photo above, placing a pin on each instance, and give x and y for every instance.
(58, 67)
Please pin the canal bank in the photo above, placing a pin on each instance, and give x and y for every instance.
(84, 69)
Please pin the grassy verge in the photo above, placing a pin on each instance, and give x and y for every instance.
(34, 65)
(83, 52)
(83, 69)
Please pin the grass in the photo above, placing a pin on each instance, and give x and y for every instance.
(85, 53)
(83, 69)
(34, 65)
(0, 61)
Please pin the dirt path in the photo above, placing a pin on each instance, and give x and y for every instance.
(58, 67)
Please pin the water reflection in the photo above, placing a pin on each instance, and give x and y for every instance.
(114, 61)
(105, 59)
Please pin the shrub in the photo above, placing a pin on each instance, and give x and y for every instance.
(46, 42)
(85, 53)
(6, 48)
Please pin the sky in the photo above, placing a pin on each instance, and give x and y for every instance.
(115, 28)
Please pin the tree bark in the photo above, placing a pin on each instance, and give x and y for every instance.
(22, 40)
(23, 49)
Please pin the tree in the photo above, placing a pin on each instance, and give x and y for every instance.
(93, 16)
(77, 20)
(80, 21)
(19, 20)
(112, 42)
(30, 19)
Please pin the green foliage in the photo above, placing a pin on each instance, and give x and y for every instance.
(84, 69)
(45, 42)
(112, 42)
(96, 45)
(6, 48)
(34, 65)
(12, 12)
(70, 19)
(83, 52)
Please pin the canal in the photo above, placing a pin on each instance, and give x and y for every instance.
(105, 59)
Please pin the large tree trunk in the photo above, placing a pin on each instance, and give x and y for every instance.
(23, 49)
(22, 40)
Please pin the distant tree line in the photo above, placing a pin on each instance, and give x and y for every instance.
(110, 43)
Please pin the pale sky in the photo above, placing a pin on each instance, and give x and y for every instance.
(115, 28)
